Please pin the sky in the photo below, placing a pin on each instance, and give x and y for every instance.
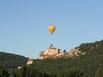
(23, 24)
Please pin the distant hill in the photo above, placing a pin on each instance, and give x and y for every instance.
(9, 60)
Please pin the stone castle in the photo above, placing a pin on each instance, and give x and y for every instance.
(53, 52)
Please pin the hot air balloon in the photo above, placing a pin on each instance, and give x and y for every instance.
(51, 29)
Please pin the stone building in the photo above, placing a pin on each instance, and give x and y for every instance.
(29, 62)
(51, 52)
(74, 52)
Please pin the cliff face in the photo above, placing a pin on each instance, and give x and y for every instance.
(53, 52)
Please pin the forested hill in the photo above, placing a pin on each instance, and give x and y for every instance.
(88, 64)
(9, 60)
(92, 49)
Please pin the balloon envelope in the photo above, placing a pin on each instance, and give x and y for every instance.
(51, 28)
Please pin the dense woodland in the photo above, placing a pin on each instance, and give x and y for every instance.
(9, 60)
(88, 64)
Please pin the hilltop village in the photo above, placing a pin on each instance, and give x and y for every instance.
(54, 62)
(53, 52)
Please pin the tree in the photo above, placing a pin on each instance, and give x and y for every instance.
(99, 72)
(1, 71)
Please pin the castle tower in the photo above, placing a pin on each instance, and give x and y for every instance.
(51, 52)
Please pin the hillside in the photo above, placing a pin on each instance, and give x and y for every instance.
(88, 64)
(9, 60)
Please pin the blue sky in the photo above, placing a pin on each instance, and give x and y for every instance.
(23, 24)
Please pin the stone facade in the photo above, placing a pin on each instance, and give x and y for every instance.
(53, 52)
(29, 62)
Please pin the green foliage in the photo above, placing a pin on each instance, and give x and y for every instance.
(1, 70)
(3, 73)
(99, 71)
(11, 60)
(89, 64)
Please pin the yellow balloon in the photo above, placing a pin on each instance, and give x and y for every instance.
(51, 28)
